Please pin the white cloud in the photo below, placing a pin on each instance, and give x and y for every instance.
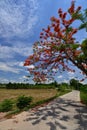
(24, 77)
(54, 70)
(65, 81)
(6, 52)
(9, 52)
(85, 81)
(4, 80)
(71, 73)
(7, 68)
(21, 64)
(24, 51)
(31, 66)
(17, 18)
(59, 77)
(15, 63)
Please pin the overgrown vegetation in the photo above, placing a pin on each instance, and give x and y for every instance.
(22, 98)
(83, 94)
(37, 94)
(6, 105)
(23, 101)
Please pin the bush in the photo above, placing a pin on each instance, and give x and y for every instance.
(6, 105)
(83, 94)
(23, 101)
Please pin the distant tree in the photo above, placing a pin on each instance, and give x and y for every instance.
(75, 83)
(9, 85)
(58, 47)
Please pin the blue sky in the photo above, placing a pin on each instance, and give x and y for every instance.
(21, 22)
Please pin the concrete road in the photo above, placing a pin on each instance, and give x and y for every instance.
(64, 113)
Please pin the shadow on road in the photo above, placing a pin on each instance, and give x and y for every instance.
(60, 114)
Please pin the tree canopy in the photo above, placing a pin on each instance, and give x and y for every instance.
(58, 47)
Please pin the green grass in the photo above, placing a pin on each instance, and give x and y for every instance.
(83, 94)
(40, 102)
(49, 99)
(40, 96)
(37, 94)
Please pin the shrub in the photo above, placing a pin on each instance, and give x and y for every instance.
(83, 94)
(6, 105)
(23, 101)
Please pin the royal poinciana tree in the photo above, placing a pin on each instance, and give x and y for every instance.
(57, 47)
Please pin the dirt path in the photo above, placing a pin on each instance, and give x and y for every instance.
(64, 113)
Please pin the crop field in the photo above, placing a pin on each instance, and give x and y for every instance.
(37, 94)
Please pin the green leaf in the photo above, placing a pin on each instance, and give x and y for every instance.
(68, 29)
(82, 26)
(74, 46)
(77, 15)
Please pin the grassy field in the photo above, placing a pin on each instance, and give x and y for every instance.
(37, 94)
